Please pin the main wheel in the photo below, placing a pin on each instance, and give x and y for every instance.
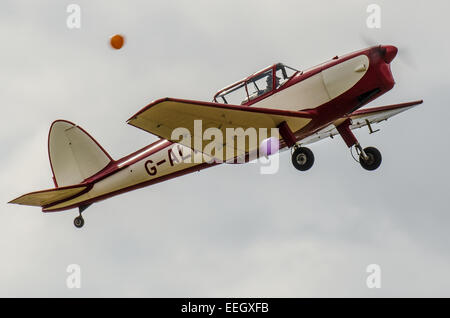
(374, 160)
(78, 222)
(302, 158)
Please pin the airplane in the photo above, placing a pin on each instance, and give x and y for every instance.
(304, 106)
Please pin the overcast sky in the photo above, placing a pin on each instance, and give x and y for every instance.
(226, 231)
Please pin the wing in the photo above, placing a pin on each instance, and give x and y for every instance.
(163, 116)
(46, 197)
(361, 118)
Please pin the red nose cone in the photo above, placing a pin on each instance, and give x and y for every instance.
(390, 52)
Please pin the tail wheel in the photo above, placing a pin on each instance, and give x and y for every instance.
(78, 222)
(373, 159)
(302, 158)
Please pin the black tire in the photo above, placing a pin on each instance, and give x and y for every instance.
(78, 222)
(374, 160)
(302, 158)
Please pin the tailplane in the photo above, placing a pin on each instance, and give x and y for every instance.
(50, 196)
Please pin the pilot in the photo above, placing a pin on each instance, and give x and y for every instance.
(269, 83)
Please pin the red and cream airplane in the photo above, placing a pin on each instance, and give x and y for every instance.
(305, 106)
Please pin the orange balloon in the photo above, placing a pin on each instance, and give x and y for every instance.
(117, 41)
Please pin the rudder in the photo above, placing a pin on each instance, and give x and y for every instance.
(74, 155)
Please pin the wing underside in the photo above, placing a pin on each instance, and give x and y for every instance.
(361, 118)
(163, 117)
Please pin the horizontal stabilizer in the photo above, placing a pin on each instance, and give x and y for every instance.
(45, 197)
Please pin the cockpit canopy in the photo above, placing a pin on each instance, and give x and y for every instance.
(257, 86)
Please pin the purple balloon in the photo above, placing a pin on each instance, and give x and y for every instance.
(269, 146)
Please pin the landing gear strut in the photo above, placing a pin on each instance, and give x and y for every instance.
(302, 157)
(79, 221)
(369, 158)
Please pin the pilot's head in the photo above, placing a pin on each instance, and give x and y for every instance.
(269, 82)
(277, 81)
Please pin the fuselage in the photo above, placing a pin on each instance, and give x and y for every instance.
(329, 91)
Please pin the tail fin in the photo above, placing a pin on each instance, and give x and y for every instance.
(74, 155)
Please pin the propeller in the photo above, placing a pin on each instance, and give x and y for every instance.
(404, 54)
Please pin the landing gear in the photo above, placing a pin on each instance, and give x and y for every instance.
(369, 158)
(79, 221)
(302, 158)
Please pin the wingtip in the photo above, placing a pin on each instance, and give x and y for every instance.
(415, 103)
(153, 103)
